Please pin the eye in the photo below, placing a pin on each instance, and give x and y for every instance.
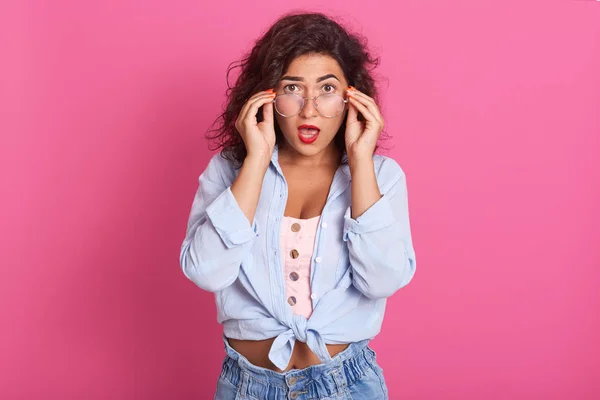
(287, 87)
(329, 85)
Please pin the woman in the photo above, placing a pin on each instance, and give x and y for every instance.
(297, 227)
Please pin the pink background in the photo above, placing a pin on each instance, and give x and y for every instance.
(494, 108)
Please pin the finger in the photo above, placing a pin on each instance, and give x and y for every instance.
(254, 106)
(368, 102)
(371, 106)
(353, 90)
(268, 113)
(248, 105)
(363, 109)
(371, 127)
(249, 102)
(352, 114)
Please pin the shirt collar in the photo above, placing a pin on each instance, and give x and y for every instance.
(341, 179)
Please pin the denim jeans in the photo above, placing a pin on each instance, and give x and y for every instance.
(351, 374)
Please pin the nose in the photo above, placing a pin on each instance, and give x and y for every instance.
(309, 110)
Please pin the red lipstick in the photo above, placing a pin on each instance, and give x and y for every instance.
(308, 133)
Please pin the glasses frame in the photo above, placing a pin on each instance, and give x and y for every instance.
(304, 103)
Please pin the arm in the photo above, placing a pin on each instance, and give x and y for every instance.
(221, 228)
(365, 190)
(377, 229)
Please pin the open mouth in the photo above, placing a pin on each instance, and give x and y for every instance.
(308, 133)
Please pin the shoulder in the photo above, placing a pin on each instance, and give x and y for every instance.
(388, 171)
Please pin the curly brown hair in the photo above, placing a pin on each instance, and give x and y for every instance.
(291, 36)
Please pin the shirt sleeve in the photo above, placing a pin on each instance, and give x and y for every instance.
(219, 236)
(379, 241)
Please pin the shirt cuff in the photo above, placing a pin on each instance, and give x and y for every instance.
(229, 220)
(380, 215)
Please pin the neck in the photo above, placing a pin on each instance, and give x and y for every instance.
(330, 155)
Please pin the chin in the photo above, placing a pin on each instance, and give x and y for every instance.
(307, 149)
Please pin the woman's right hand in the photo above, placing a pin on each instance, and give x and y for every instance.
(259, 138)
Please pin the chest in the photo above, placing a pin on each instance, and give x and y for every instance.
(307, 191)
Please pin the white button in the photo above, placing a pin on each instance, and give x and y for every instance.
(324, 224)
(318, 259)
(313, 296)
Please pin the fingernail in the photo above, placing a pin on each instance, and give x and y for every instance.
(270, 90)
(351, 88)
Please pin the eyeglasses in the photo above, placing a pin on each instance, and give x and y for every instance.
(329, 105)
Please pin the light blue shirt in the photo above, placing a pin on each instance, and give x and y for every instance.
(356, 265)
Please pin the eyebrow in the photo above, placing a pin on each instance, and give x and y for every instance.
(300, 79)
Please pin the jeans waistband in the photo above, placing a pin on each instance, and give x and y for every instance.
(314, 382)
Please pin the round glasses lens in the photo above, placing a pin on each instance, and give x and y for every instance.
(330, 105)
(288, 104)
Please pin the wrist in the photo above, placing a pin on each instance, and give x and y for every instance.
(257, 161)
(360, 161)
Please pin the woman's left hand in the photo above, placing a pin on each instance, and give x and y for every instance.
(362, 136)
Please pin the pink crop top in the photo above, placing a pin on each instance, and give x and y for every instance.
(297, 245)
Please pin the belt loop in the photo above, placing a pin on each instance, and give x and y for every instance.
(339, 380)
(244, 386)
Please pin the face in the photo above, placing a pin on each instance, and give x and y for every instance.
(310, 133)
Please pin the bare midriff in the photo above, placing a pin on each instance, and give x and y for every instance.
(257, 352)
